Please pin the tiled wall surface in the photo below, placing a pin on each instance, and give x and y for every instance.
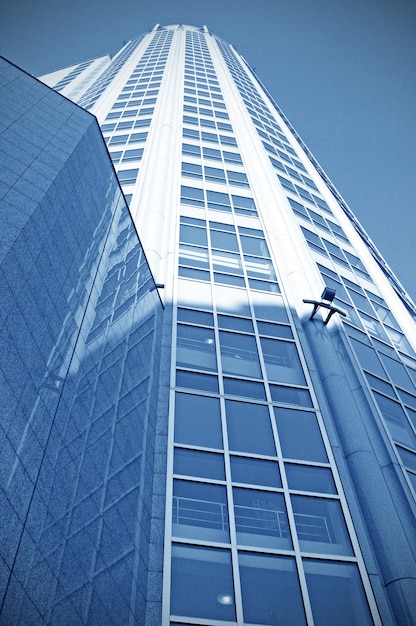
(80, 346)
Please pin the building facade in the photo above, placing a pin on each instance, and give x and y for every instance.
(273, 420)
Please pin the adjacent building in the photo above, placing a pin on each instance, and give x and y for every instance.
(214, 424)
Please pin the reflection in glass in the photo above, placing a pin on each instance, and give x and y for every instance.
(196, 348)
(199, 511)
(396, 420)
(239, 354)
(270, 590)
(261, 519)
(282, 361)
(343, 602)
(202, 583)
(320, 525)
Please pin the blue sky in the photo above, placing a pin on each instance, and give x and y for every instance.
(344, 73)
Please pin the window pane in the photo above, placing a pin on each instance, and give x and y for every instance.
(199, 511)
(269, 307)
(255, 246)
(227, 262)
(291, 395)
(193, 235)
(310, 478)
(261, 519)
(344, 602)
(239, 354)
(245, 388)
(320, 525)
(270, 590)
(198, 421)
(235, 323)
(196, 463)
(198, 297)
(282, 361)
(195, 317)
(396, 420)
(193, 256)
(249, 428)
(193, 380)
(309, 446)
(233, 301)
(202, 583)
(255, 471)
(225, 241)
(196, 348)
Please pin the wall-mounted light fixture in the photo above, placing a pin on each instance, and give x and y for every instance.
(326, 303)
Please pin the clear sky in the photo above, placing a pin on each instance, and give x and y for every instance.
(343, 71)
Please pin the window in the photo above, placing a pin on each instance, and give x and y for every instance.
(197, 421)
(249, 428)
(132, 155)
(202, 583)
(193, 196)
(282, 361)
(200, 511)
(219, 201)
(196, 348)
(214, 174)
(237, 178)
(127, 177)
(261, 519)
(270, 590)
(192, 170)
(309, 447)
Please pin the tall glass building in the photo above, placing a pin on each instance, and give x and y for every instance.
(240, 420)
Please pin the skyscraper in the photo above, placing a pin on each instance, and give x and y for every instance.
(251, 457)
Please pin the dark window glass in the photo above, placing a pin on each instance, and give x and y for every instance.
(244, 388)
(396, 420)
(310, 478)
(199, 511)
(193, 380)
(309, 446)
(235, 323)
(196, 347)
(239, 354)
(290, 395)
(197, 463)
(255, 471)
(198, 421)
(282, 361)
(195, 317)
(344, 601)
(270, 590)
(261, 519)
(249, 428)
(320, 525)
(202, 583)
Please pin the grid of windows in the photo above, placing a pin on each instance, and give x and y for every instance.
(100, 85)
(127, 123)
(387, 359)
(253, 504)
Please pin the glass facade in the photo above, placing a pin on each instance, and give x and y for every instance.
(259, 464)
